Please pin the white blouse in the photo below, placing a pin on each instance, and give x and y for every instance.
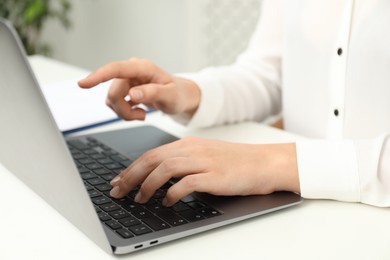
(325, 64)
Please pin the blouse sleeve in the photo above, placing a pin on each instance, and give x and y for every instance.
(346, 170)
(249, 89)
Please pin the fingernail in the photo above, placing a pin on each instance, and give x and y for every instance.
(138, 197)
(137, 94)
(115, 191)
(115, 180)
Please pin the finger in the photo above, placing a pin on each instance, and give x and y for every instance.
(122, 184)
(190, 183)
(137, 172)
(118, 90)
(156, 96)
(133, 68)
(130, 178)
(168, 169)
(147, 93)
(116, 100)
(128, 112)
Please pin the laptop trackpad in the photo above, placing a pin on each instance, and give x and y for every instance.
(133, 142)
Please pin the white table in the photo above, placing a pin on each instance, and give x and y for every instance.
(31, 229)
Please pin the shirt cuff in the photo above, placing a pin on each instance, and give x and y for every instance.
(374, 170)
(328, 170)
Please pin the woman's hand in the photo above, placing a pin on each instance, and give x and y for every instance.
(215, 167)
(143, 82)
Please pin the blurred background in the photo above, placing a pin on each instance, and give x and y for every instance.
(178, 35)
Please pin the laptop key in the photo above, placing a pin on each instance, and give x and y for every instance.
(141, 214)
(180, 206)
(112, 166)
(109, 207)
(118, 214)
(172, 218)
(101, 200)
(105, 161)
(124, 233)
(113, 224)
(191, 215)
(97, 156)
(86, 161)
(94, 193)
(83, 169)
(90, 152)
(108, 177)
(196, 205)
(129, 205)
(94, 166)
(130, 221)
(156, 208)
(155, 223)
(88, 175)
(103, 216)
(104, 187)
(102, 171)
(79, 156)
(96, 181)
(187, 199)
(140, 229)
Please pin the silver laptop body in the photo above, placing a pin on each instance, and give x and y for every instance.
(35, 151)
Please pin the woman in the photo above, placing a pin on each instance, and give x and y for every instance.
(326, 63)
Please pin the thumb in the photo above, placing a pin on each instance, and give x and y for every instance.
(136, 94)
(148, 93)
(156, 96)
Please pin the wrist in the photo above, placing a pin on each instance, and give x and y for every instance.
(189, 95)
(283, 167)
(290, 165)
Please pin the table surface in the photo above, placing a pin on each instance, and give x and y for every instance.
(316, 229)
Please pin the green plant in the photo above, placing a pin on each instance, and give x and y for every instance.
(29, 16)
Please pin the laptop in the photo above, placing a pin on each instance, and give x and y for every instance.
(73, 174)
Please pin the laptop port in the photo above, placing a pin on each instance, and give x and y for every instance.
(138, 246)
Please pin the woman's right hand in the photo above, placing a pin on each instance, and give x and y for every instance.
(145, 83)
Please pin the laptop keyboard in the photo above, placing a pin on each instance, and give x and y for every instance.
(98, 164)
